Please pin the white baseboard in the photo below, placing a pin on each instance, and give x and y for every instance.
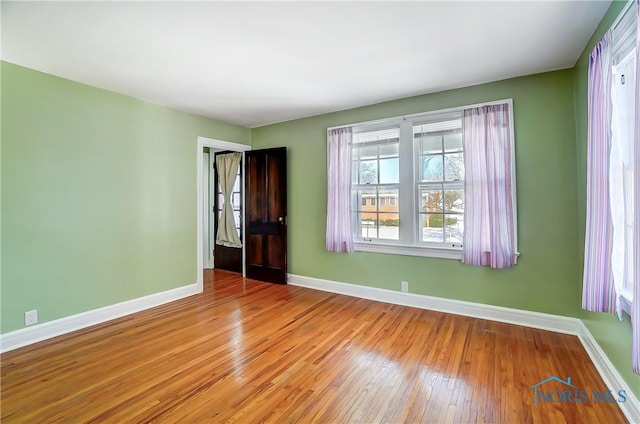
(557, 323)
(550, 322)
(609, 373)
(47, 330)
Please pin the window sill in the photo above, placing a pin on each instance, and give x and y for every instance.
(428, 252)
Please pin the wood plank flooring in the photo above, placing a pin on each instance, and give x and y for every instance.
(246, 351)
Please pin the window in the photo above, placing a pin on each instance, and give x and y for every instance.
(417, 163)
(623, 151)
(236, 199)
(440, 186)
(375, 175)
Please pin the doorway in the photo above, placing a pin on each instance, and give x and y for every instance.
(226, 256)
(203, 199)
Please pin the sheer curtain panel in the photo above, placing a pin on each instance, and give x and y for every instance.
(339, 237)
(598, 293)
(227, 167)
(489, 234)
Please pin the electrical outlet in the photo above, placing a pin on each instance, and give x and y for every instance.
(404, 286)
(31, 317)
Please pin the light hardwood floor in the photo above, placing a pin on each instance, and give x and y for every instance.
(246, 352)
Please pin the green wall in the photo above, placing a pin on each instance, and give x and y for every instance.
(546, 278)
(614, 337)
(98, 196)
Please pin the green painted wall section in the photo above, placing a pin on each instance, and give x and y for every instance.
(614, 337)
(0, 197)
(546, 278)
(98, 196)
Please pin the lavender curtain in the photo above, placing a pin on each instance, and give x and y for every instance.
(339, 237)
(489, 234)
(635, 307)
(598, 291)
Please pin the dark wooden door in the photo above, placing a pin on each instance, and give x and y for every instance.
(227, 258)
(266, 214)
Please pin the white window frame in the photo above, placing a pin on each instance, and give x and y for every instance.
(444, 184)
(407, 196)
(373, 200)
(626, 295)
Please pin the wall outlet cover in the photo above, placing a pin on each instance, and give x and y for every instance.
(31, 317)
(404, 286)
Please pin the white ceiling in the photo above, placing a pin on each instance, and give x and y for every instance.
(264, 62)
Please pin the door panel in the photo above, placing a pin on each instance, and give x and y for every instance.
(274, 254)
(266, 212)
(254, 250)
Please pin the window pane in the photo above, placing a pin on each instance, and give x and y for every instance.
(389, 195)
(236, 218)
(432, 144)
(453, 142)
(452, 122)
(454, 200)
(369, 152)
(389, 172)
(369, 225)
(454, 166)
(431, 227)
(389, 149)
(387, 134)
(236, 200)
(389, 227)
(368, 196)
(432, 168)
(431, 200)
(220, 201)
(369, 172)
(454, 228)
(354, 172)
(236, 185)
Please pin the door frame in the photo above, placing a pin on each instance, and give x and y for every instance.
(215, 144)
(206, 230)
